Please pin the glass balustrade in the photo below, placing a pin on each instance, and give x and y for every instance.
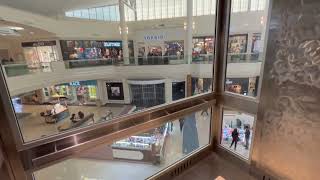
(19, 69)
(24, 69)
(138, 156)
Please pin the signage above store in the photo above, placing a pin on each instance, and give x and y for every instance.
(74, 83)
(38, 43)
(112, 44)
(154, 37)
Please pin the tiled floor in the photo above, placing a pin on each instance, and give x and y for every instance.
(33, 126)
(212, 167)
(91, 169)
(240, 150)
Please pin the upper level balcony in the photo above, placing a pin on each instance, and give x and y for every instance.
(23, 77)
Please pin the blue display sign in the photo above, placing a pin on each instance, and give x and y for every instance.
(112, 44)
(74, 83)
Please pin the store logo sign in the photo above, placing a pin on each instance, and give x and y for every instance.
(74, 83)
(154, 37)
(112, 44)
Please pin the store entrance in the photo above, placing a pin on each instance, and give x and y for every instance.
(147, 93)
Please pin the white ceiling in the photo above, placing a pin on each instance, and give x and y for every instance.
(53, 7)
(28, 32)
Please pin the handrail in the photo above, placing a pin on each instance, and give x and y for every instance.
(70, 144)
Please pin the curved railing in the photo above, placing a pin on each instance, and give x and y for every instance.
(23, 69)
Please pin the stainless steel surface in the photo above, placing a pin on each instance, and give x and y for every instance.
(221, 45)
(287, 139)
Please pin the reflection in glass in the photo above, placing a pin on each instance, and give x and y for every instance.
(237, 131)
(88, 81)
(245, 47)
(138, 156)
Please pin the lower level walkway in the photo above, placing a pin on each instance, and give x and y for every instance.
(215, 167)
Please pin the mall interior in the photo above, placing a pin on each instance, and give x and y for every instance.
(159, 89)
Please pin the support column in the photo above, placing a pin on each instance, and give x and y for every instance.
(189, 25)
(126, 91)
(168, 90)
(124, 35)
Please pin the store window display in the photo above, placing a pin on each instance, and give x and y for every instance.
(174, 50)
(40, 54)
(155, 56)
(244, 86)
(89, 49)
(237, 47)
(237, 132)
(201, 85)
(75, 93)
(203, 48)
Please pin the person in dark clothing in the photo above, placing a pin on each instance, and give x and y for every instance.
(73, 118)
(235, 138)
(181, 121)
(247, 137)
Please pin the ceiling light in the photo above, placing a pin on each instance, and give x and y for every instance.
(16, 28)
(32, 33)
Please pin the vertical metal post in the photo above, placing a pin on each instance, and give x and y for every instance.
(221, 49)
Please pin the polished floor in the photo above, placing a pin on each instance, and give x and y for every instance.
(215, 167)
(94, 169)
(33, 126)
(240, 150)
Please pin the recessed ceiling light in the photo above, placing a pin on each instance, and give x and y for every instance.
(16, 28)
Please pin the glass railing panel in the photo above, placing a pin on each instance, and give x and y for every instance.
(93, 78)
(246, 48)
(140, 155)
(237, 132)
(21, 69)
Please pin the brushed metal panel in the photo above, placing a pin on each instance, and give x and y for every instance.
(287, 143)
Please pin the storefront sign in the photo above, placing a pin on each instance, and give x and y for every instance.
(154, 37)
(112, 44)
(74, 83)
(38, 43)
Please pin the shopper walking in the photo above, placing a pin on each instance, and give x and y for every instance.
(247, 136)
(235, 138)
